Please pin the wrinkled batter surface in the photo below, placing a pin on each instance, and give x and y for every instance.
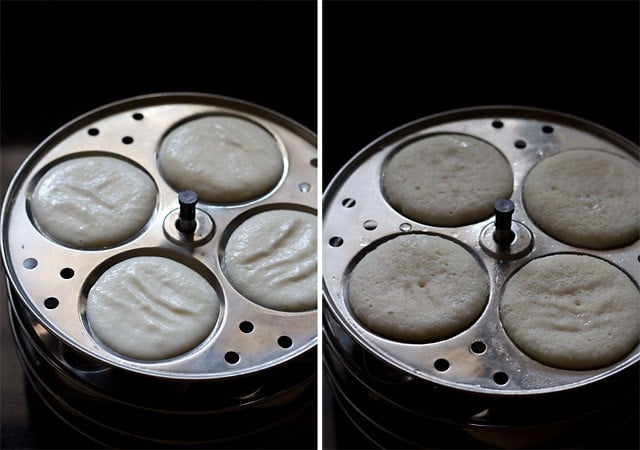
(271, 259)
(93, 201)
(151, 308)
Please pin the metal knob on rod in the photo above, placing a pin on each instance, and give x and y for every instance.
(503, 233)
(505, 239)
(188, 225)
(187, 218)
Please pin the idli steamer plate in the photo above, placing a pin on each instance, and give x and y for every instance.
(264, 364)
(481, 380)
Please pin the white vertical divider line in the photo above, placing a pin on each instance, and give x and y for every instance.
(319, 219)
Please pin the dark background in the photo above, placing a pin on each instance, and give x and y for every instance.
(386, 64)
(60, 59)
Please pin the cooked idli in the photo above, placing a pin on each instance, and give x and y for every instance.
(572, 311)
(447, 180)
(586, 198)
(418, 288)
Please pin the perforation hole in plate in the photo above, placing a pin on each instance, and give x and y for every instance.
(67, 273)
(51, 303)
(232, 357)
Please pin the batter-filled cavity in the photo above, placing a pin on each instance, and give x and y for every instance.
(224, 159)
(93, 201)
(271, 259)
(151, 308)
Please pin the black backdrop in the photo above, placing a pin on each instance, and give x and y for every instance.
(63, 58)
(386, 64)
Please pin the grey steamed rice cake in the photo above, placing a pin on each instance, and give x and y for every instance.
(447, 180)
(572, 311)
(587, 198)
(418, 288)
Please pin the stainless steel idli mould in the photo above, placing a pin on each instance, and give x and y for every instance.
(252, 380)
(491, 386)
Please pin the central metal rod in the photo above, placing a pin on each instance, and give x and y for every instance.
(187, 221)
(503, 234)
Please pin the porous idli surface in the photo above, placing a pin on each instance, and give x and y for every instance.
(447, 180)
(271, 259)
(586, 198)
(151, 308)
(418, 288)
(572, 311)
(224, 159)
(93, 201)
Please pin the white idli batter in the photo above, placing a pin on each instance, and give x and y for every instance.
(447, 180)
(271, 259)
(418, 288)
(93, 201)
(587, 198)
(151, 308)
(223, 159)
(572, 311)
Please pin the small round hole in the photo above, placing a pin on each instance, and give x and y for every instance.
(30, 263)
(51, 303)
(336, 241)
(246, 326)
(370, 225)
(497, 124)
(314, 162)
(304, 187)
(441, 365)
(285, 341)
(547, 129)
(67, 273)
(127, 140)
(348, 203)
(231, 357)
(500, 378)
(520, 143)
(93, 131)
(405, 227)
(638, 259)
(137, 116)
(478, 347)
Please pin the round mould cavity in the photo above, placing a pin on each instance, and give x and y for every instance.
(571, 311)
(151, 307)
(446, 179)
(270, 258)
(417, 288)
(226, 159)
(92, 200)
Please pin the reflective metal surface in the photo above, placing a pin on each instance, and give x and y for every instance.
(133, 130)
(353, 202)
